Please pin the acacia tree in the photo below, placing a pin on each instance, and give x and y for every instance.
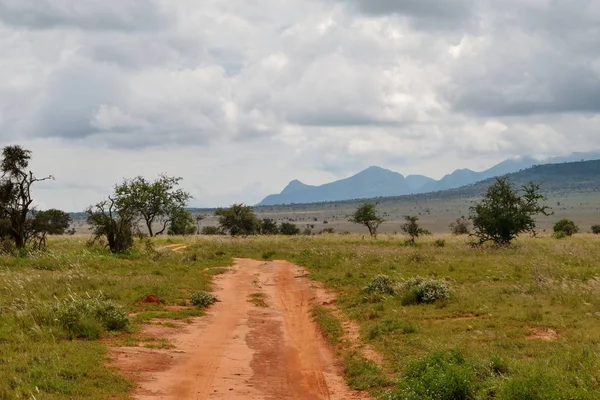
(157, 201)
(16, 201)
(412, 229)
(367, 215)
(113, 223)
(504, 213)
(239, 219)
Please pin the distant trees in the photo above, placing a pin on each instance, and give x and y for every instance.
(288, 229)
(239, 219)
(412, 229)
(366, 214)
(461, 226)
(153, 202)
(268, 226)
(16, 212)
(504, 213)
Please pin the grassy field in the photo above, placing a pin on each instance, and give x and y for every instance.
(520, 323)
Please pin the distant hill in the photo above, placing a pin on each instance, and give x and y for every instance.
(372, 182)
(577, 177)
(380, 182)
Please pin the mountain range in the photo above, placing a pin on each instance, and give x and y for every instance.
(380, 182)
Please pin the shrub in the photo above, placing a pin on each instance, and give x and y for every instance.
(566, 226)
(440, 243)
(380, 284)
(461, 226)
(596, 229)
(412, 229)
(289, 229)
(443, 376)
(202, 299)
(424, 290)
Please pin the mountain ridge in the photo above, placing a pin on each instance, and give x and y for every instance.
(375, 181)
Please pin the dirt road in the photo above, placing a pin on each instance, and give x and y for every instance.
(243, 351)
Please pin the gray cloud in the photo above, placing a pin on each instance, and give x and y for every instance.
(124, 15)
(423, 14)
(313, 90)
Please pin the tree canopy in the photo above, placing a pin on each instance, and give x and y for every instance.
(367, 215)
(239, 219)
(153, 202)
(504, 213)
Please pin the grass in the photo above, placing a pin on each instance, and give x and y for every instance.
(330, 325)
(258, 299)
(501, 299)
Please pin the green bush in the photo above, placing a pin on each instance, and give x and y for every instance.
(566, 226)
(202, 299)
(440, 376)
(380, 284)
(424, 290)
(596, 229)
(289, 229)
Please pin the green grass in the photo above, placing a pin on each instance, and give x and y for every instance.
(500, 299)
(258, 299)
(329, 324)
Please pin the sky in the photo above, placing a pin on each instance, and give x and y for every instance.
(239, 97)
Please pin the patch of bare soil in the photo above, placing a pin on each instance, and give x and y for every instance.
(544, 334)
(239, 351)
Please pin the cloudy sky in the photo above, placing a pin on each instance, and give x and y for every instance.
(239, 97)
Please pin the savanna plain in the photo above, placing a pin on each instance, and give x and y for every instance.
(521, 322)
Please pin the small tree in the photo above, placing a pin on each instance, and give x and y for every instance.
(566, 226)
(412, 229)
(238, 219)
(113, 224)
(15, 195)
(596, 229)
(504, 213)
(182, 223)
(289, 229)
(152, 202)
(49, 222)
(366, 214)
(268, 226)
(460, 227)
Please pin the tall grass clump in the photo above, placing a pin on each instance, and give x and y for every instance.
(76, 318)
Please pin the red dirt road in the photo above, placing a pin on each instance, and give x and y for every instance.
(241, 351)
